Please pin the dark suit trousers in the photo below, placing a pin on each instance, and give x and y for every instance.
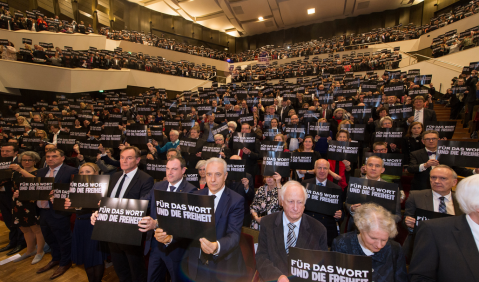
(58, 235)
(159, 264)
(329, 222)
(129, 262)
(16, 235)
(206, 273)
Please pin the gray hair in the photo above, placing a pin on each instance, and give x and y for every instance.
(372, 216)
(385, 118)
(200, 164)
(216, 160)
(289, 184)
(34, 155)
(467, 194)
(454, 174)
(175, 132)
(219, 135)
(232, 123)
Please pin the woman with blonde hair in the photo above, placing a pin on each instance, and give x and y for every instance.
(282, 138)
(377, 228)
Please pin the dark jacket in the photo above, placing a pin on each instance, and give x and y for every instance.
(139, 186)
(238, 187)
(389, 264)
(445, 251)
(271, 258)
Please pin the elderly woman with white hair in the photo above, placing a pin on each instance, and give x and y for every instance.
(174, 142)
(377, 227)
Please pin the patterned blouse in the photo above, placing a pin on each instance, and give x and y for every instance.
(264, 203)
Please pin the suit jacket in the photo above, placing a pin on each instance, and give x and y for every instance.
(328, 221)
(329, 113)
(271, 258)
(139, 187)
(238, 187)
(421, 179)
(64, 175)
(205, 127)
(228, 222)
(445, 250)
(176, 249)
(285, 113)
(428, 116)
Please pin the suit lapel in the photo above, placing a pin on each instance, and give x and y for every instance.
(279, 238)
(303, 234)
(224, 201)
(59, 173)
(428, 201)
(113, 182)
(132, 182)
(467, 246)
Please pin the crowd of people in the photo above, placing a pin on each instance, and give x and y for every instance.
(36, 21)
(47, 54)
(34, 136)
(451, 42)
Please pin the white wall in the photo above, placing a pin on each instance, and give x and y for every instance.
(462, 58)
(22, 75)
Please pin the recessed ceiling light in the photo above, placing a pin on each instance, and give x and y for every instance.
(260, 18)
(311, 11)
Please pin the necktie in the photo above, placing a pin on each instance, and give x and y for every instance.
(291, 242)
(320, 183)
(431, 153)
(442, 206)
(118, 191)
(52, 173)
(416, 116)
(172, 188)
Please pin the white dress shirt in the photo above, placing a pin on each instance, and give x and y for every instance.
(128, 178)
(217, 200)
(366, 251)
(44, 204)
(421, 115)
(447, 200)
(55, 135)
(431, 157)
(324, 182)
(176, 185)
(286, 228)
(474, 229)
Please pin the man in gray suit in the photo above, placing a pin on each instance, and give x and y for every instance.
(282, 230)
(438, 199)
(207, 127)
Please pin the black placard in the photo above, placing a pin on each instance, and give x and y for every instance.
(361, 190)
(118, 219)
(400, 112)
(220, 129)
(338, 150)
(35, 188)
(372, 101)
(424, 215)
(390, 135)
(323, 199)
(236, 169)
(269, 134)
(87, 190)
(137, 135)
(320, 129)
(356, 131)
(186, 215)
(458, 153)
(249, 119)
(244, 140)
(394, 89)
(295, 131)
(111, 137)
(302, 160)
(66, 144)
(188, 145)
(192, 176)
(89, 148)
(211, 150)
(423, 79)
(5, 171)
(361, 112)
(156, 168)
(276, 162)
(445, 128)
(60, 193)
(328, 266)
(392, 162)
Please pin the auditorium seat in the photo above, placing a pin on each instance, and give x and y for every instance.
(247, 249)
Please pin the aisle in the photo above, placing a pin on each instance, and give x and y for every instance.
(24, 271)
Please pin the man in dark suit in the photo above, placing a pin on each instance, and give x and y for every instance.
(166, 254)
(470, 98)
(447, 249)
(321, 170)
(221, 260)
(56, 132)
(422, 160)
(245, 188)
(130, 183)
(324, 112)
(420, 113)
(55, 225)
(250, 156)
(15, 236)
(282, 230)
(442, 179)
(207, 127)
(225, 151)
(283, 110)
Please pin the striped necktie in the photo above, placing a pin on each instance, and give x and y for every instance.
(416, 116)
(442, 205)
(291, 242)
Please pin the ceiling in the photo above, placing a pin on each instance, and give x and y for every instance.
(240, 17)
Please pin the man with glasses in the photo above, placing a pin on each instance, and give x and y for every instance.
(225, 151)
(424, 160)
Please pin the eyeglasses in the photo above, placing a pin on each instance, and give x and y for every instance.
(430, 139)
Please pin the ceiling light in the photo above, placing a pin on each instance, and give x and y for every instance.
(311, 11)
(260, 18)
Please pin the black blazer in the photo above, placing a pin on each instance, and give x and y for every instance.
(445, 251)
(139, 187)
(238, 187)
(271, 258)
(429, 116)
(328, 221)
(421, 179)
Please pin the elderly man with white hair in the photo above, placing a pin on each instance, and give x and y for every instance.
(174, 142)
(447, 249)
(289, 228)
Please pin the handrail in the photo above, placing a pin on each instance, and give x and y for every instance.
(441, 61)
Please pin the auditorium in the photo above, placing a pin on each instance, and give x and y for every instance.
(239, 140)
